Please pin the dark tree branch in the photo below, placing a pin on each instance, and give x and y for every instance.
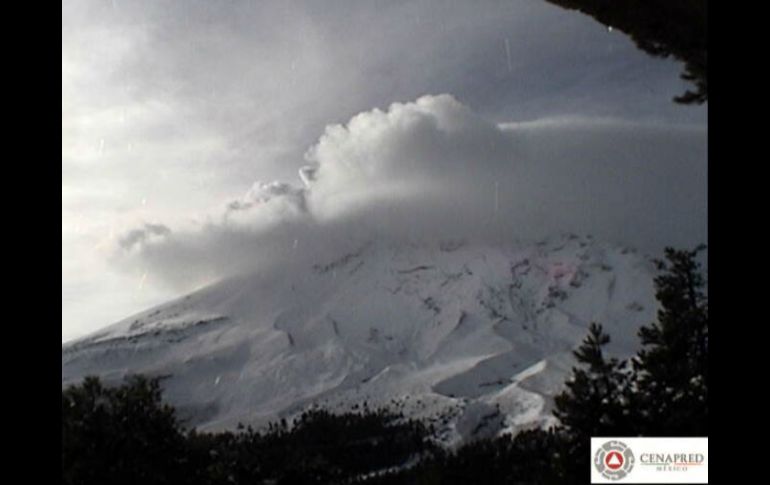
(662, 28)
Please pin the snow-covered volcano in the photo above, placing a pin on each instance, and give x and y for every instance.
(477, 338)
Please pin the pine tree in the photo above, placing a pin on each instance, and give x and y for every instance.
(672, 367)
(120, 435)
(594, 404)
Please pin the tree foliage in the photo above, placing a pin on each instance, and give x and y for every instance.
(594, 399)
(672, 367)
(125, 433)
(594, 403)
(661, 28)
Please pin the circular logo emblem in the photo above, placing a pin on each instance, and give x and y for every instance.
(614, 460)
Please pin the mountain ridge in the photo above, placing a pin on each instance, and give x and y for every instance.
(475, 338)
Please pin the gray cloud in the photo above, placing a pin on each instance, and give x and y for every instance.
(264, 78)
(432, 170)
(170, 107)
(143, 235)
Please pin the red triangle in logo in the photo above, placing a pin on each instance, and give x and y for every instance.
(613, 460)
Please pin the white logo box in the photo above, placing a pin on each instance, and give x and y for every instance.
(649, 460)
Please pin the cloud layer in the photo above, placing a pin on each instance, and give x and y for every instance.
(171, 107)
(431, 170)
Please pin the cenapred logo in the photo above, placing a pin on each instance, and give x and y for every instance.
(614, 460)
(653, 459)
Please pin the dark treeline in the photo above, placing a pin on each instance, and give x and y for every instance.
(127, 435)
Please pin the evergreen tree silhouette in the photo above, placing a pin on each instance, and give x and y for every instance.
(594, 403)
(672, 367)
(120, 435)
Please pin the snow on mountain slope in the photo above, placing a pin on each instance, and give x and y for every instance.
(475, 338)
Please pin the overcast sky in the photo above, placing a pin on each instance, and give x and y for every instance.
(185, 123)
